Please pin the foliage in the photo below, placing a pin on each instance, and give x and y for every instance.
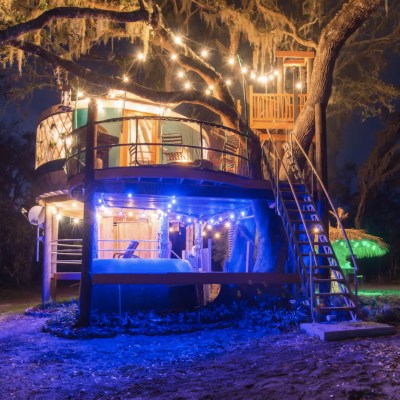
(385, 308)
(265, 313)
(16, 234)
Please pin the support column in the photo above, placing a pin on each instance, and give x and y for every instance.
(163, 236)
(89, 218)
(322, 170)
(54, 247)
(280, 79)
(46, 278)
(310, 63)
(198, 242)
(321, 159)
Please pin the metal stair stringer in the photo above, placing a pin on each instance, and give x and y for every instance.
(322, 279)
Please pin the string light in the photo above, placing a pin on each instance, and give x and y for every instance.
(244, 70)
(174, 57)
(299, 85)
(125, 78)
(217, 235)
(140, 56)
(228, 82)
(204, 53)
(207, 92)
(180, 74)
(178, 40)
(187, 85)
(76, 221)
(231, 61)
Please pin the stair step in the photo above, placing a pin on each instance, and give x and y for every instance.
(318, 255)
(333, 294)
(303, 211)
(321, 280)
(304, 243)
(343, 308)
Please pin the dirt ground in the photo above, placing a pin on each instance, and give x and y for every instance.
(212, 364)
(218, 364)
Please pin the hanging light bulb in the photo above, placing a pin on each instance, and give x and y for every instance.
(244, 70)
(178, 40)
(227, 224)
(253, 75)
(76, 221)
(187, 85)
(174, 57)
(299, 85)
(231, 60)
(228, 82)
(125, 78)
(207, 92)
(140, 56)
(217, 235)
(204, 53)
(209, 227)
(180, 74)
(276, 72)
(130, 214)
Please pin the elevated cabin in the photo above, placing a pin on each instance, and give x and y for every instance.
(165, 187)
(284, 95)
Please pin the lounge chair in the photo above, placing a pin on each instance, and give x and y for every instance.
(129, 252)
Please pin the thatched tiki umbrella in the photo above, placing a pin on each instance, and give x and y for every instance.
(363, 244)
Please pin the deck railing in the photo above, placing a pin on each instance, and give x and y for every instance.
(154, 140)
(275, 108)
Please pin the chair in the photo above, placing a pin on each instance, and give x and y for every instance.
(175, 141)
(229, 158)
(129, 251)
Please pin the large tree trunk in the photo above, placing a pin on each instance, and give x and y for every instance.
(333, 37)
(272, 247)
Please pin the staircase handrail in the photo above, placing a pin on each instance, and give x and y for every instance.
(294, 196)
(333, 209)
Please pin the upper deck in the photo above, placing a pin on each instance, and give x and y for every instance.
(148, 153)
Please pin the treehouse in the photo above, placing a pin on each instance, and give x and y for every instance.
(136, 197)
(284, 95)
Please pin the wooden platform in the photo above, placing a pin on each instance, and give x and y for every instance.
(346, 330)
(194, 278)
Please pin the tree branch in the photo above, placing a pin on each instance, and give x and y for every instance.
(15, 31)
(229, 115)
(292, 32)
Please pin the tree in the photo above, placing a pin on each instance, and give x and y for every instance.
(63, 36)
(16, 235)
(382, 165)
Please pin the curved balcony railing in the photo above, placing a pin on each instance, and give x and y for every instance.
(155, 140)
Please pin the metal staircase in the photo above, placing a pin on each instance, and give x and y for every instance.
(323, 281)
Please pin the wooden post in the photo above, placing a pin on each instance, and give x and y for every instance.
(280, 78)
(250, 100)
(321, 158)
(89, 217)
(46, 279)
(310, 63)
(322, 170)
(54, 237)
(295, 106)
(163, 235)
(198, 242)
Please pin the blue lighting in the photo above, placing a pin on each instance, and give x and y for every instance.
(129, 195)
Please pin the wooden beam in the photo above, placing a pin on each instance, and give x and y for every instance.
(67, 276)
(295, 54)
(195, 278)
(294, 62)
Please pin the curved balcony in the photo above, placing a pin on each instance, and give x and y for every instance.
(168, 143)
